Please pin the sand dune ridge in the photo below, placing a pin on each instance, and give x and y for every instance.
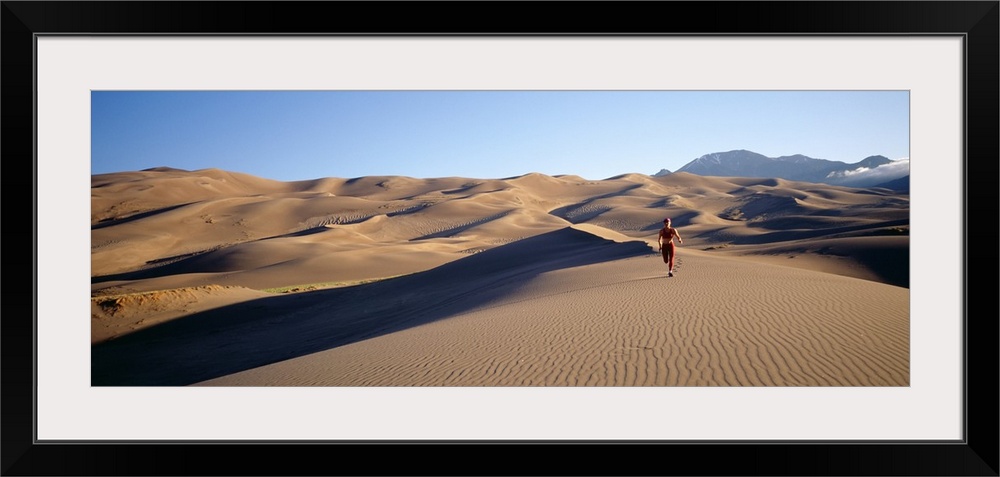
(531, 280)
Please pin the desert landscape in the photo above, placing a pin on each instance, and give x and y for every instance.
(217, 278)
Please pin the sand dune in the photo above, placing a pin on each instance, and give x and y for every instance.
(622, 323)
(219, 278)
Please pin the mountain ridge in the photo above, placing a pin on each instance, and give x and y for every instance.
(868, 172)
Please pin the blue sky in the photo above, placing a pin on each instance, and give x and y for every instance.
(299, 135)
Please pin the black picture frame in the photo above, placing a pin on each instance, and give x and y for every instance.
(977, 22)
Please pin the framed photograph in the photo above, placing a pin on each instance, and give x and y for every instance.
(65, 62)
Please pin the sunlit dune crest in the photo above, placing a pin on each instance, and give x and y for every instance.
(212, 277)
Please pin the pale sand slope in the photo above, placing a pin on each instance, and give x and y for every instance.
(179, 259)
(567, 308)
(165, 228)
(718, 322)
(117, 315)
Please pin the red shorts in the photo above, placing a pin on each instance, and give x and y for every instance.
(668, 254)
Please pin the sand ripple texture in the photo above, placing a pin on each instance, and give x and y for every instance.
(718, 322)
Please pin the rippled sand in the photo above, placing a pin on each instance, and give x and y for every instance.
(212, 278)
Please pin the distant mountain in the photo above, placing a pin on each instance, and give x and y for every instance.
(900, 185)
(868, 172)
(663, 172)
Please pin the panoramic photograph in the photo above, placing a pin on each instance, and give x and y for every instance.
(500, 238)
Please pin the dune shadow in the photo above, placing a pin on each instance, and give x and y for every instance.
(308, 231)
(193, 262)
(791, 235)
(679, 220)
(892, 266)
(250, 334)
(467, 187)
(463, 227)
(409, 210)
(116, 221)
(586, 210)
(174, 265)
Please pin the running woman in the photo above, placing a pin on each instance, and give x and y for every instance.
(667, 248)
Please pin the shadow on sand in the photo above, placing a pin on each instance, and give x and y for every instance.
(108, 222)
(235, 338)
